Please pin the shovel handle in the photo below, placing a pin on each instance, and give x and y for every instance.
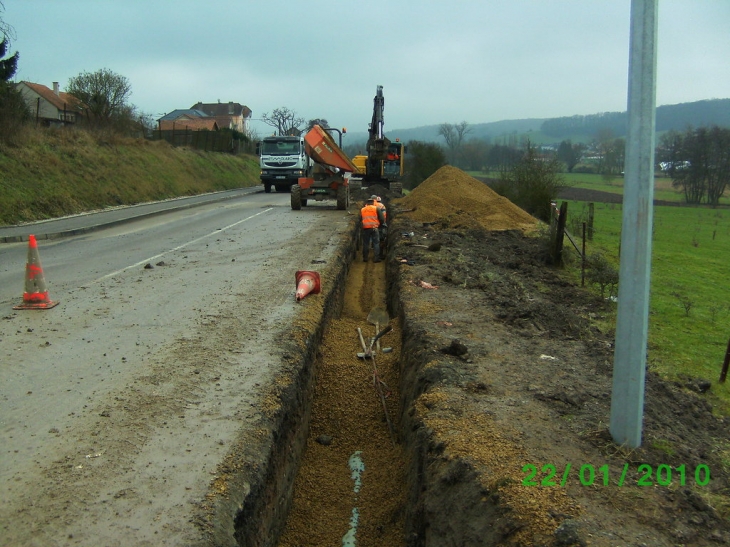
(362, 340)
(383, 332)
(377, 337)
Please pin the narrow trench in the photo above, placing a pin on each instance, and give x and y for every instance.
(351, 486)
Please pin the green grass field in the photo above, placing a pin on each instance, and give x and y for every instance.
(689, 323)
(663, 189)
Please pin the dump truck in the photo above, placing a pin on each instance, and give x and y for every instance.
(331, 172)
(283, 159)
(383, 163)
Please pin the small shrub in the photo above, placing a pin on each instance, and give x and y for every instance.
(602, 273)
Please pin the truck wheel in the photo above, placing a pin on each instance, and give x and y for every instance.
(267, 187)
(343, 197)
(396, 188)
(296, 198)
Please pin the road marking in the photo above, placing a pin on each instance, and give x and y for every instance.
(151, 258)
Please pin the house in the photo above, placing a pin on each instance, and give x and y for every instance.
(228, 115)
(50, 107)
(188, 124)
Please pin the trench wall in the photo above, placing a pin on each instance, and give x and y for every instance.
(250, 505)
(447, 504)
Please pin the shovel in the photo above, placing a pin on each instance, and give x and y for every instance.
(369, 351)
(378, 317)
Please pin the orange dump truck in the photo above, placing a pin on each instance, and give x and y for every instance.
(331, 173)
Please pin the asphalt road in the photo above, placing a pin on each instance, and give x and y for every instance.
(117, 405)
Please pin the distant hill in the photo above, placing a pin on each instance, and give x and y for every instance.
(429, 133)
(669, 117)
(577, 128)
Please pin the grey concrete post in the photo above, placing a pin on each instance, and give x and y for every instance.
(629, 368)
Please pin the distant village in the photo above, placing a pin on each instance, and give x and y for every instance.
(52, 107)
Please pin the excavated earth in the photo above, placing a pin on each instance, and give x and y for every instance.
(498, 391)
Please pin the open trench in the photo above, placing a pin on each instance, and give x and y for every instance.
(328, 466)
(350, 489)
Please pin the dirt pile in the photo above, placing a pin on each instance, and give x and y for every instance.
(454, 199)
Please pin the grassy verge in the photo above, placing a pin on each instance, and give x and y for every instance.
(690, 296)
(61, 172)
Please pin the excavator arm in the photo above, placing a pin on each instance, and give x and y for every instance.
(377, 146)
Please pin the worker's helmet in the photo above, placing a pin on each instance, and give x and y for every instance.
(373, 197)
(378, 198)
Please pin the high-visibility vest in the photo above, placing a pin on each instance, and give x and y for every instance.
(380, 205)
(369, 215)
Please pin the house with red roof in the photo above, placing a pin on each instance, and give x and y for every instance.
(50, 107)
(228, 115)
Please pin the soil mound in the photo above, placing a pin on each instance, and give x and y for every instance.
(454, 199)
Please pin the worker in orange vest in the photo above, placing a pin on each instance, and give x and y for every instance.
(371, 218)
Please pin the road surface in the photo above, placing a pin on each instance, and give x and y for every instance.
(118, 404)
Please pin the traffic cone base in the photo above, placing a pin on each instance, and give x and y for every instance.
(307, 282)
(35, 296)
(45, 304)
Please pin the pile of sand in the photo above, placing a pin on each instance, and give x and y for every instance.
(458, 200)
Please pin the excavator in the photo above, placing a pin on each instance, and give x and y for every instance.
(384, 160)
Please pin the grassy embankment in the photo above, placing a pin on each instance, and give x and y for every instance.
(61, 172)
(690, 296)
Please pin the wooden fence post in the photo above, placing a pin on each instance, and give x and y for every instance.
(591, 213)
(583, 259)
(557, 254)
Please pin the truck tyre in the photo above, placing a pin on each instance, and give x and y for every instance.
(267, 187)
(296, 198)
(396, 188)
(343, 197)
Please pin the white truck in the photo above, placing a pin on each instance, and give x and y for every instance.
(283, 160)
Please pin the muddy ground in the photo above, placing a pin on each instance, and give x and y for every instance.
(506, 379)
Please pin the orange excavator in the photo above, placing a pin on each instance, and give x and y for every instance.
(331, 173)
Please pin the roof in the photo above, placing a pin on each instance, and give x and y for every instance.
(62, 101)
(223, 109)
(194, 124)
(184, 113)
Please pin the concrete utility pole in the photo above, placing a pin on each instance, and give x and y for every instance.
(629, 366)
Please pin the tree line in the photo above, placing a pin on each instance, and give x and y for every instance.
(698, 161)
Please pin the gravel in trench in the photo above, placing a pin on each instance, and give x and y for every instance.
(348, 420)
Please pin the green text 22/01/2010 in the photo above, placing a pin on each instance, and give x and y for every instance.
(588, 475)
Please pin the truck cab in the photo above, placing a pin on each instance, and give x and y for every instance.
(283, 160)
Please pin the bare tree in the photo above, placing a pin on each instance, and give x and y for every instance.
(285, 121)
(103, 93)
(454, 134)
(702, 169)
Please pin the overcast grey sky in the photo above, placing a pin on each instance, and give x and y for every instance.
(438, 61)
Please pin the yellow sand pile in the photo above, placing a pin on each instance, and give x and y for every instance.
(459, 200)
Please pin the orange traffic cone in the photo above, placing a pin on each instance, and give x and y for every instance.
(36, 295)
(307, 282)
